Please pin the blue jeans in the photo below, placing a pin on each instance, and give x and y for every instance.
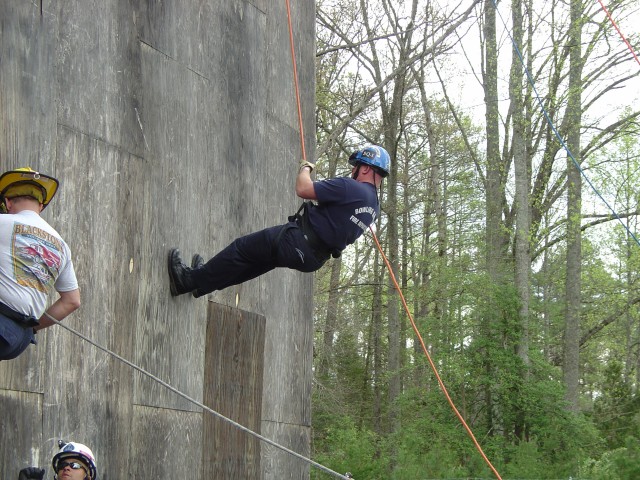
(256, 254)
(14, 338)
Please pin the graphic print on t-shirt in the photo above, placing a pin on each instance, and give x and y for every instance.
(37, 257)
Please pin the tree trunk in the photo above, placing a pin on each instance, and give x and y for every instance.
(326, 357)
(494, 241)
(328, 335)
(522, 167)
(376, 321)
(432, 206)
(574, 193)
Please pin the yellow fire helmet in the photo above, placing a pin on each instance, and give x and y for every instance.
(25, 181)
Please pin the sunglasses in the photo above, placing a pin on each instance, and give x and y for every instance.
(73, 465)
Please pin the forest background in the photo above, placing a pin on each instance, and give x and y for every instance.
(510, 219)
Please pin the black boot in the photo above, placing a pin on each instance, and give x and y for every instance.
(179, 273)
(196, 261)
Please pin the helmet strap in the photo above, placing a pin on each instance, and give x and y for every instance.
(354, 175)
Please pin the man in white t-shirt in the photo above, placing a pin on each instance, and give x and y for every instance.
(34, 259)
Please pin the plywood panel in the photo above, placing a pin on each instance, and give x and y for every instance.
(170, 332)
(21, 439)
(289, 333)
(85, 385)
(234, 362)
(166, 444)
(168, 124)
(27, 85)
(279, 74)
(278, 464)
(25, 372)
(99, 84)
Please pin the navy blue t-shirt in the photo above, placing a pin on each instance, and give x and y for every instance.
(345, 209)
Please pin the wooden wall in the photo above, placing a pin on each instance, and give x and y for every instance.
(169, 124)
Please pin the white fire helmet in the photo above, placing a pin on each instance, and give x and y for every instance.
(76, 450)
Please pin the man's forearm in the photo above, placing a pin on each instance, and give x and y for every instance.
(65, 305)
(304, 184)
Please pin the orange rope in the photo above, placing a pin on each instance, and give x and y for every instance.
(295, 83)
(426, 352)
(619, 32)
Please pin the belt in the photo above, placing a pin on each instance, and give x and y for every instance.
(24, 320)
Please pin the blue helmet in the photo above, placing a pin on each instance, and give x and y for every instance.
(373, 155)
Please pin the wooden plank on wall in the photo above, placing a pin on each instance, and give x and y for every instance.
(170, 331)
(85, 394)
(27, 86)
(21, 433)
(289, 334)
(168, 125)
(98, 71)
(27, 132)
(278, 464)
(25, 372)
(166, 444)
(233, 387)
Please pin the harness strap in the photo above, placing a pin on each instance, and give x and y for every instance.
(22, 319)
(302, 219)
(297, 216)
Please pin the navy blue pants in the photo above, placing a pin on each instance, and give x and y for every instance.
(255, 254)
(14, 338)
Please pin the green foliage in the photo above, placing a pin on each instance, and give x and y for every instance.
(432, 444)
(620, 464)
(347, 448)
(617, 410)
(513, 401)
(527, 462)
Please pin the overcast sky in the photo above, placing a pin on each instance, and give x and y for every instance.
(464, 86)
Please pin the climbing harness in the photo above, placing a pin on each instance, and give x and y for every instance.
(322, 251)
(23, 320)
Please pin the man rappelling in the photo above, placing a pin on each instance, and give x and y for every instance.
(344, 208)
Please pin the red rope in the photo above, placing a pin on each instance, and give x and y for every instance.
(619, 32)
(433, 366)
(295, 83)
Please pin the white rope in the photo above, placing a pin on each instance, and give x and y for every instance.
(199, 404)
